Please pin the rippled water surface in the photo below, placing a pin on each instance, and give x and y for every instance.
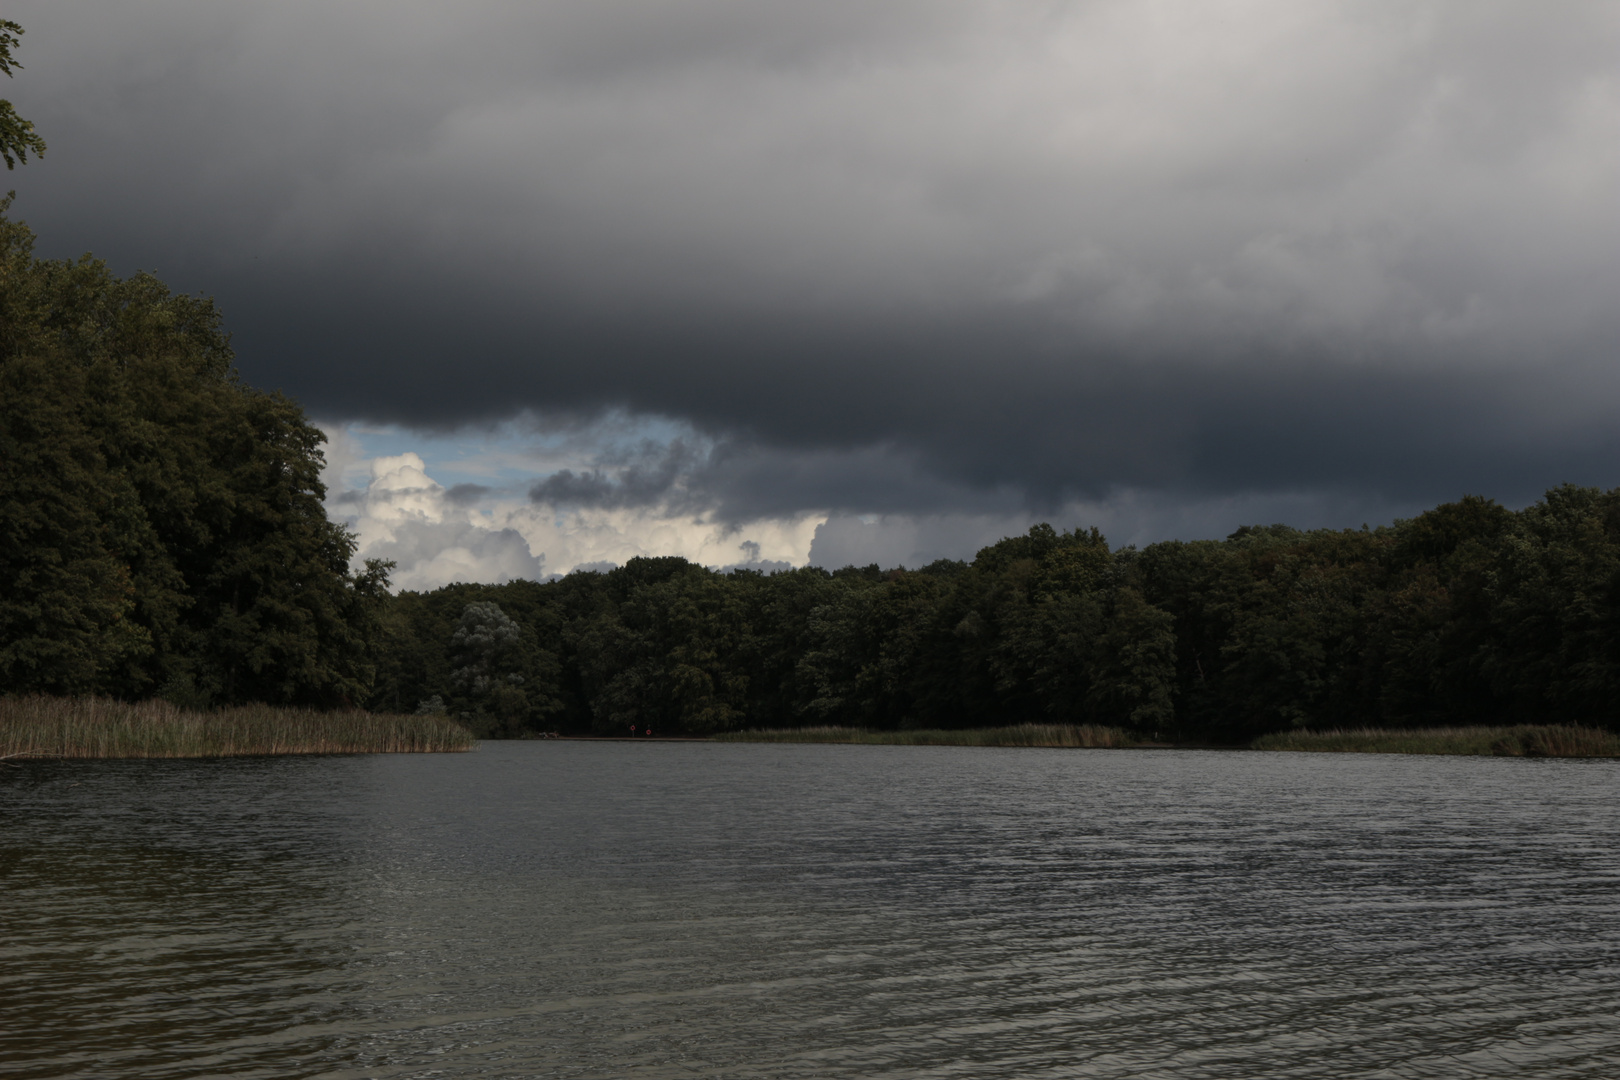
(735, 910)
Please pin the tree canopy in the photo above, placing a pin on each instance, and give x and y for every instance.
(161, 523)
(1469, 613)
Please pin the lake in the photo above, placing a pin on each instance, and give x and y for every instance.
(584, 910)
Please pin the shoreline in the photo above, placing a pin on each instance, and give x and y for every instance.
(56, 729)
(47, 728)
(1518, 740)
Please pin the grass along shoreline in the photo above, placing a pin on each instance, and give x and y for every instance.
(57, 727)
(1523, 740)
(1520, 740)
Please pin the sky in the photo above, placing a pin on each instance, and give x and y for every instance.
(766, 283)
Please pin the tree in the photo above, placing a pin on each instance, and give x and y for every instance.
(1553, 653)
(163, 522)
(1133, 668)
(66, 598)
(669, 656)
(17, 136)
(488, 652)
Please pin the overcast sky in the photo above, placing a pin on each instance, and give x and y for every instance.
(767, 282)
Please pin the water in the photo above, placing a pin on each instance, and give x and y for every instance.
(690, 910)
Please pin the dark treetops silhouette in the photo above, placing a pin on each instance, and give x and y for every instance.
(1467, 614)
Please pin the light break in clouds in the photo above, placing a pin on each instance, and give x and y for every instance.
(471, 531)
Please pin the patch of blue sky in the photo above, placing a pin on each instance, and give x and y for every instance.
(514, 454)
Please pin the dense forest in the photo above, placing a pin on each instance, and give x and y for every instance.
(162, 535)
(1469, 613)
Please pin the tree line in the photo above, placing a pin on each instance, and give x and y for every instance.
(1469, 613)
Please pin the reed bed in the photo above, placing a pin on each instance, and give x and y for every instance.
(1075, 735)
(1523, 740)
(56, 727)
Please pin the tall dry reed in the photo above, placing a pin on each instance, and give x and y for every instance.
(1075, 735)
(61, 727)
(1523, 740)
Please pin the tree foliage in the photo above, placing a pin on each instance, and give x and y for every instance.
(161, 523)
(17, 136)
(1469, 613)
(499, 678)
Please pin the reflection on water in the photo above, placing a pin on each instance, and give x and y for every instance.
(608, 910)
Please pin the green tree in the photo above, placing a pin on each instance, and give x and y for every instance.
(67, 602)
(778, 614)
(17, 136)
(670, 656)
(1048, 609)
(494, 673)
(1553, 653)
(1133, 665)
(166, 521)
(842, 651)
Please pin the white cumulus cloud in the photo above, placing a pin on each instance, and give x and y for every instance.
(399, 512)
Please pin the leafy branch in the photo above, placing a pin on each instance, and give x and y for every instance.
(17, 136)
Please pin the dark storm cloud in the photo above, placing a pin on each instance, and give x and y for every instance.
(884, 258)
(647, 476)
(466, 494)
